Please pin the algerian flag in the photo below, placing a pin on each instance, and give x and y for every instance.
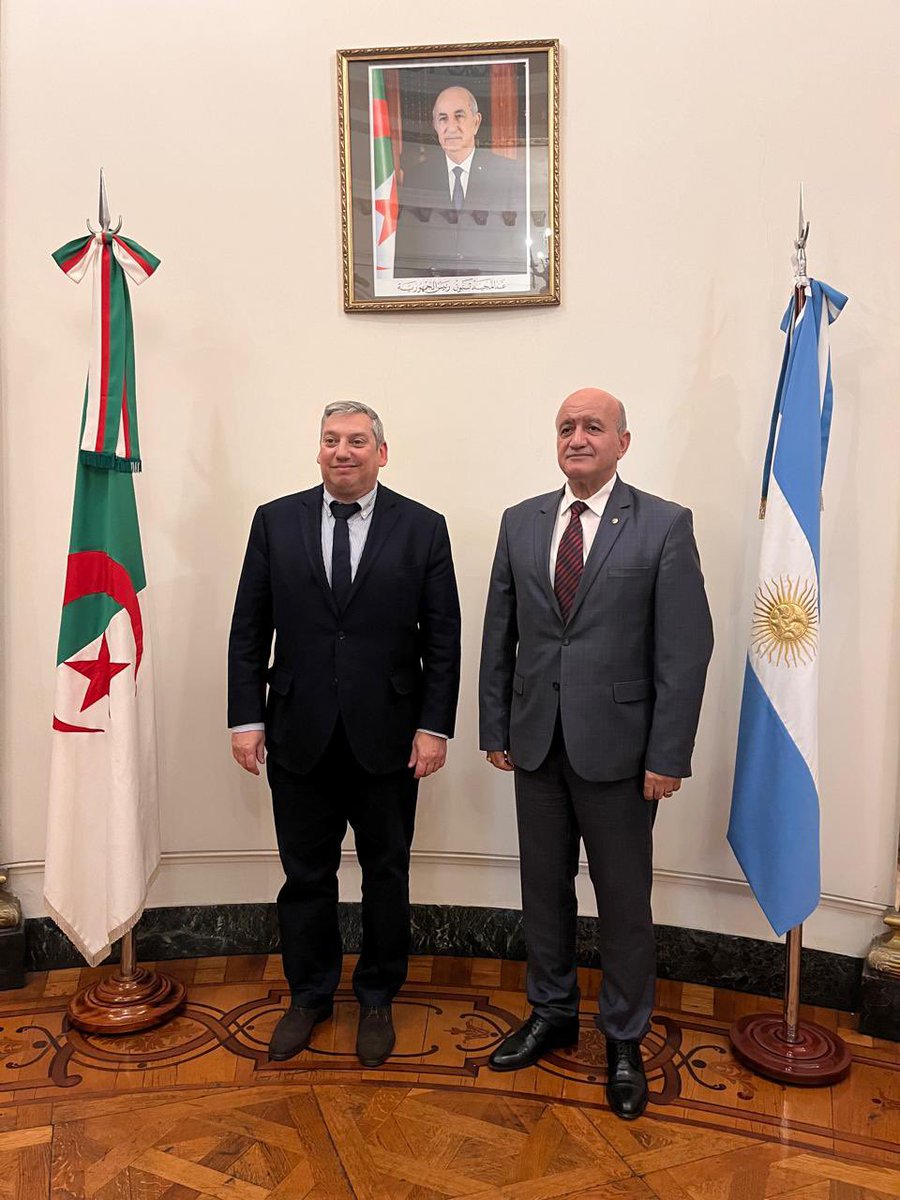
(384, 179)
(103, 820)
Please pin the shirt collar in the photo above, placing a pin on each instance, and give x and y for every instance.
(466, 165)
(366, 503)
(595, 503)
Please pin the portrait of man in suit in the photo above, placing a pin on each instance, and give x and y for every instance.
(356, 585)
(462, 207)
(597, 636)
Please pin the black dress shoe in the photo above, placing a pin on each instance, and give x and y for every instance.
(293, 1031)
(626, 1088)
(524, 1047)
(375, 1036)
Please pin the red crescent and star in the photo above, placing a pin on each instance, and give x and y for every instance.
(90, 572)
(100, 671)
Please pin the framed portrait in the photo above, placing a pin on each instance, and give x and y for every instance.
(450, 175)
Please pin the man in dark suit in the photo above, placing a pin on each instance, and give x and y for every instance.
(597, 637)
(357, 585)
(462, 209)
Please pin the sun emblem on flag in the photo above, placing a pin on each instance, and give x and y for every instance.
(786, 621)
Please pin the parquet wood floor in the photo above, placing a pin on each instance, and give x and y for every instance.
(195, 1110)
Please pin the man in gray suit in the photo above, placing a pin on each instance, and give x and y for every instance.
(597, 637)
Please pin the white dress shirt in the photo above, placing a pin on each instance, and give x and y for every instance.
(466, 165)
(590, 520)
(357, 526)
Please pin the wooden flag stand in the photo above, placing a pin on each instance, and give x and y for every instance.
(132, 1000)
(784, 1048)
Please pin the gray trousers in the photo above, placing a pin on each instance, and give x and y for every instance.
(555, 809)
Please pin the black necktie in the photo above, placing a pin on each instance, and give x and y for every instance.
(340, 550)
(459, 196)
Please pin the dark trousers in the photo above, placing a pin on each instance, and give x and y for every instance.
(555, 808)
(311, 816)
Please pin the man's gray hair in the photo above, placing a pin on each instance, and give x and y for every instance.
(354, 406)
(622, 423)
(473, 103)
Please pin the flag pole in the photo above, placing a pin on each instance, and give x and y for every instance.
(134, 998)
(794, 938)
(783, 1047)
(793, 946)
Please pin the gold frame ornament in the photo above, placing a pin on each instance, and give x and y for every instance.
(411, 238)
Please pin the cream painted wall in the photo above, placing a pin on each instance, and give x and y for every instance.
(686, 128)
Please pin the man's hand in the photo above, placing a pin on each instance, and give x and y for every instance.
(429, 753)
(658, 786)
(500, 759)
(248, 749)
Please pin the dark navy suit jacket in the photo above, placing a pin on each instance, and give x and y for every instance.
(387, 664)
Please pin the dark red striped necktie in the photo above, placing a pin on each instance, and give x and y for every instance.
(570, 560)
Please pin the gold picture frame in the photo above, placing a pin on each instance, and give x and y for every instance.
(449, 160)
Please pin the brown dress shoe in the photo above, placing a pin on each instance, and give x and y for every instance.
(293, 1031)
(375, 1036)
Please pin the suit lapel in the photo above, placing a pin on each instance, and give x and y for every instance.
(614, 519)
(384, 518)
(311, 529)
(544, 524)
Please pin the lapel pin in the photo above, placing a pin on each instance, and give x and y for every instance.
(615, 520)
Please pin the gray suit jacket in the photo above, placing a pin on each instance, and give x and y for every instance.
(627, 670)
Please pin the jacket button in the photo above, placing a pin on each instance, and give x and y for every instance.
(340, 637)
(556, 687)
(565, 641)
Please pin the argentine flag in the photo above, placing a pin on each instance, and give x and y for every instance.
(774, 827)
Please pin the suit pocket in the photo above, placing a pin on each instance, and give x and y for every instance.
(518, 684)
(632, 689)
(280, 680)
(403, 683)
(628, 572)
